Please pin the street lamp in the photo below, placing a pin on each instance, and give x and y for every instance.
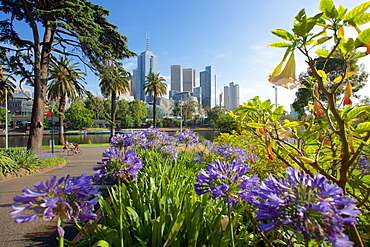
(275, 95)
(6, 119)
(52, 104)
(181, 116)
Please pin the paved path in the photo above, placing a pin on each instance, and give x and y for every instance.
(37, 233)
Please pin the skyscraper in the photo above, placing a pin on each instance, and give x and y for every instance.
(231, 96)
(188, 80)
(134, 82)
(176, 78)
(207, 81)
(147, 63)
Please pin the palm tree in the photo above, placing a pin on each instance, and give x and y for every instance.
(114, 80)
(6, 85)
(64, 77)
(155, 87)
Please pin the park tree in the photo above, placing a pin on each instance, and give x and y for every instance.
(126, 121)
(332, 67)
(76, 28)
(114, 80)
(155, 86)
(96, 105)
(123, 109)
(79, 116)
(65, 77)
(138, 111)
(187, 109)
(213, 115)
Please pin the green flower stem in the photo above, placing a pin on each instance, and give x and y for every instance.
(120, 209)
(60, 223)
(231, 228)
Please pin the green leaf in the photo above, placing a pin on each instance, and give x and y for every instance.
(256, 125)
(362, 19)
(322, 74)
(283, 34)
(357, 11)
(328, 7)
(266, 105)
(363, 127)
(322, 53)
(101, 243)
(175, 229)
(322, 40)
(347, 46)
(363, 38)
(279, 44)
(341, 12)
(292, 124)
(278, 112)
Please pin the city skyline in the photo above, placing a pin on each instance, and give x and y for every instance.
(232, 36)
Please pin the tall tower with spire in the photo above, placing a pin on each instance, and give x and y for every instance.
(147, 63)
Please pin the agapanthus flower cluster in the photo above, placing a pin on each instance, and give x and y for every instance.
(187, 137)
(70, 197)
(230, 153)
(228, 181)
(364, 165)
(154, 138)
(169, 152)
(311, 206)
(119, 163)
(122, 141)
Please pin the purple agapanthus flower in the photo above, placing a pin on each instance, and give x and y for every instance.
(154, 138)
(70, 197)
(122, 141)
(227, 180)
(230, 153)
(119, 163)
(169, 152)
(364, 165)
(311, 206)
(187, 137)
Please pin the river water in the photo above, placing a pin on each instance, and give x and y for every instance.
(21, 141)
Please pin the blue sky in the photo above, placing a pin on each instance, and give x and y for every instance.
(231, 35)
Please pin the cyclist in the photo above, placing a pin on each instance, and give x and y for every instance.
(66, 147)
(75, 144)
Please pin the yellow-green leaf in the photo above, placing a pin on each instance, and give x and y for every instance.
(338, 79)
(356, 111)
(256, 125)
(292, 124)
(279, 44)
(306, 160)
(322, 74)
(362, 19)
(322, 40)
(349, 74)
(363, 38)
(283, 34)
(357, 11)
(363, 127)
(322, 52)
